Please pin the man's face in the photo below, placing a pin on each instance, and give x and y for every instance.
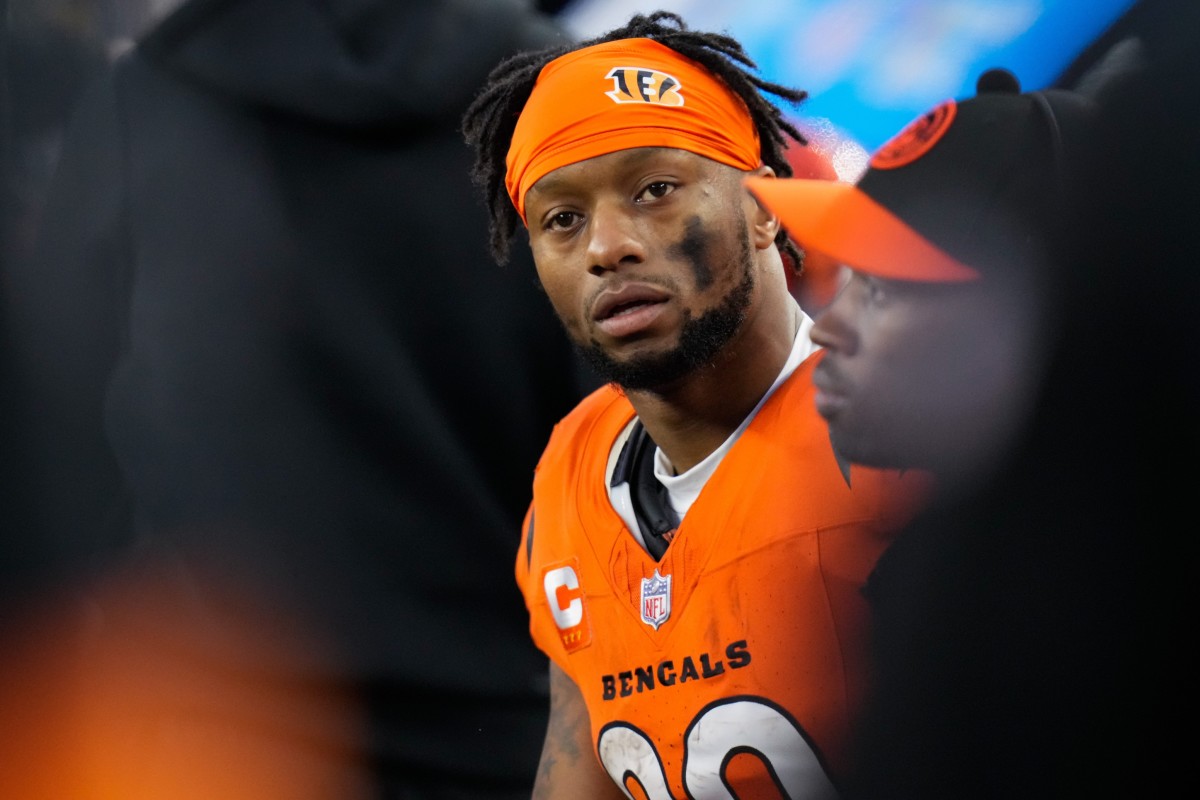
(646, 257)
(925, 375)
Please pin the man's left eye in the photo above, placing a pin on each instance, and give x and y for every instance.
(657, 189)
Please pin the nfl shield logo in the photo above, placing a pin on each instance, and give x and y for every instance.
(656, 599)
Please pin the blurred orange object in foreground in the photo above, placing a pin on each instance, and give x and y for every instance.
(139, 694)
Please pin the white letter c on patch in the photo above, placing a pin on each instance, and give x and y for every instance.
(555, 581)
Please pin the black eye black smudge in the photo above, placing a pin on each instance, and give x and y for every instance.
(693, 249)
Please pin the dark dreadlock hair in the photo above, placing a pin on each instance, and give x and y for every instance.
(490, 120)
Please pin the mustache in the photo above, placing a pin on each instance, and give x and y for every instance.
(827, 376)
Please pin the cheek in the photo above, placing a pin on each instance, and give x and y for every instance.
(713, 252)
(693, 248)
(562, 289)
(551, 270)
(961, 362)
(900, 353)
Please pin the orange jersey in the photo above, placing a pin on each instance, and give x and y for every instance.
(739, 658)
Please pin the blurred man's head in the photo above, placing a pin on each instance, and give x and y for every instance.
(950, 240)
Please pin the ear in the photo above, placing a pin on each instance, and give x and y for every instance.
(764, 225)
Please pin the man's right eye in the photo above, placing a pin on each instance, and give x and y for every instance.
(561, 220)
(877, 291)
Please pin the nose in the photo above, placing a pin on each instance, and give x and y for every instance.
(833, 328)
(614, 238)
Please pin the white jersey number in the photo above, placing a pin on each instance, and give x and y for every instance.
(719, 732)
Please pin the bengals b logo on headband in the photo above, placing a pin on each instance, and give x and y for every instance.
(641, 85)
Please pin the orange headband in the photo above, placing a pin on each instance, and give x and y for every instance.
(623, 94)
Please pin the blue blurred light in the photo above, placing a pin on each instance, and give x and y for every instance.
(871, 66)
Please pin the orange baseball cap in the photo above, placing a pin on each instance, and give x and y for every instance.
(964, 189)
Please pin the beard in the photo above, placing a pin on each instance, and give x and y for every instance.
(700, 339)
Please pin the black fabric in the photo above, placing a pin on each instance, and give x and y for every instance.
(651, 501)
(1001, 216)
(262, 332)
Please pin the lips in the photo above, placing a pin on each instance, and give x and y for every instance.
(627, 298)
(629, 311)
(829, 398)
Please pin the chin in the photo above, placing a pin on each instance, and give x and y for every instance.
(863, 450)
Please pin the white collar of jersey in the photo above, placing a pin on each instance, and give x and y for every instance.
(685, 488)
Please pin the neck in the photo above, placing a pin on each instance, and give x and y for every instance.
(694, 416)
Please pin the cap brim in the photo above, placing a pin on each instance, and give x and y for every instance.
(841, 221)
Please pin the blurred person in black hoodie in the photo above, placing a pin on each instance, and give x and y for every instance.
(46, 57)
(273, 383)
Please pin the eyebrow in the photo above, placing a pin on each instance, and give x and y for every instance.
(629, 158)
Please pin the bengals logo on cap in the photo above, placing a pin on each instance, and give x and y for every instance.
(641, 85)
(916, 139)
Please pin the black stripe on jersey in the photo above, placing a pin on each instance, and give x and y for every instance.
(529, 542)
